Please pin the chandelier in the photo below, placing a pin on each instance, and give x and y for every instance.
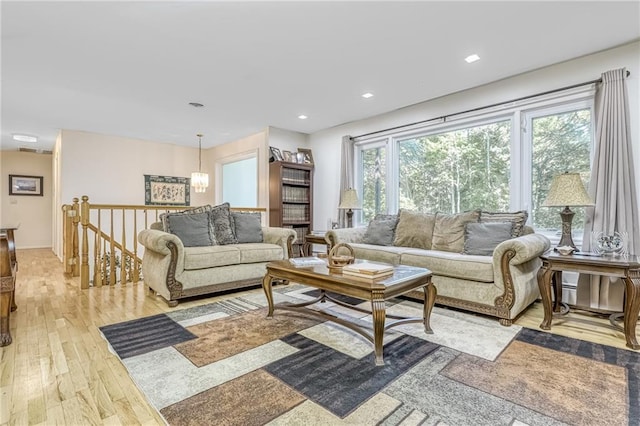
(199, 180)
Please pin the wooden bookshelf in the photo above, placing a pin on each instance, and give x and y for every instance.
(291, 199)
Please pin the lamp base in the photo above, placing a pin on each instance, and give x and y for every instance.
(349, 218)
(567, 218)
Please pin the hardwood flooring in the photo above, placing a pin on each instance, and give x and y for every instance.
(59, 370)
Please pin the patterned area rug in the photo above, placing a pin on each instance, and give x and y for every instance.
(225, 363)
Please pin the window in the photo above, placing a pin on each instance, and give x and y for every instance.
(240, 182)
(457, 170)
(374, 183)
(502, 159)
(560, 142)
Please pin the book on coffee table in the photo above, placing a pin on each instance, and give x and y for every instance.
(306, 261)
(368, 270)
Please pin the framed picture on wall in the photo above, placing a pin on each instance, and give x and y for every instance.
(25, 185)
(275, 153)
(166, 190)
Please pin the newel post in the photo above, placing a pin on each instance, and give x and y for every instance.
(84, 266)
(75, 219)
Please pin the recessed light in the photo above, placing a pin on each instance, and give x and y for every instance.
(24, 138)
(472, 58)
(196, 104)
(302, 117)
(367, 95)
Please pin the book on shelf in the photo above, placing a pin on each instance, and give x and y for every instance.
(306, 261)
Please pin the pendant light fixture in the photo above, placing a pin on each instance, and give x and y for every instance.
(199, 180)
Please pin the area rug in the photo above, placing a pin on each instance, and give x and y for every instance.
(225, 363)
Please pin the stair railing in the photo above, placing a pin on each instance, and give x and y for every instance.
(115, 254)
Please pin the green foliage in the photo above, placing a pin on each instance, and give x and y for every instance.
(561, 143)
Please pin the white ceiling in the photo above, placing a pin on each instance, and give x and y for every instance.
(131, 68)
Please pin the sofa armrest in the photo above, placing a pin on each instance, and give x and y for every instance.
(162, 263)
(521, 249)
(344, 235)
(156, 240)
(284, 237)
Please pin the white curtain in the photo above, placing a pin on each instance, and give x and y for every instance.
(347, 179)
(612, 186)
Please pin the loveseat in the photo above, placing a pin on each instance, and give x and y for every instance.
(481, 261)
(209, 249)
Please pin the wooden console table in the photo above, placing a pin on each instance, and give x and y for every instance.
(627, 268)
(314, 238)
(8, 268)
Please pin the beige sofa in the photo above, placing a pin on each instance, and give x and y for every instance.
(174, 271)
(502, 284)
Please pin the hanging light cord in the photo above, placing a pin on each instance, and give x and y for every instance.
(199, 153)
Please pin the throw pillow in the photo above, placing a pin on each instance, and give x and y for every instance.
(380, 231)
(519, 219)
(195, 210)
(248, 227)
(222, 224)
(448, 232)
(481, 238)
(192, 229)
(414, 229)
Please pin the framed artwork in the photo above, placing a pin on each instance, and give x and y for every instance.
(275, 153)
(25, 185)
(308, 156)
(287, 156)
(166, 190)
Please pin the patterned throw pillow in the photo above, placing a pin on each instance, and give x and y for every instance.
(519, 219)
(414, 229)
(482, 238)
(223, 225)
(448, 232)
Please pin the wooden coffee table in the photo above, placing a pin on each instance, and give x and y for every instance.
(403, 280)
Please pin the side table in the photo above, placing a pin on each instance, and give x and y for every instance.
(316, 237)
(625, 267)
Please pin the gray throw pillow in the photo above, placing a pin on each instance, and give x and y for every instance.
(222, 223)
(481, 238)
(519, 219)
(381, 231)
(248, 227)
(192, 229)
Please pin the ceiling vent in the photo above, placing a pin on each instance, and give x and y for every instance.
(35, 151)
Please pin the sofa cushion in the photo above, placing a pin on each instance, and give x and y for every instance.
(248, 227)
(381, 231)
(448, 232)
(260, 252)
(222, 223)
(414, 229)
(210, 257)
(456, 265)
(481, 238)
(517, 218)
(378, 253)
(192, 229)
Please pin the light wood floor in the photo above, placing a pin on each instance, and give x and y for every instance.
(58, 369)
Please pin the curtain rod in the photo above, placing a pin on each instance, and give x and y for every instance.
(444, 117)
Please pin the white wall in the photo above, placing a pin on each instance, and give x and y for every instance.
(287, 140)
(32, 213)
(326, 144)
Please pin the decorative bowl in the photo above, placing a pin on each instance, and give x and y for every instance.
(609, 243)
(565, 250)
(336, 260)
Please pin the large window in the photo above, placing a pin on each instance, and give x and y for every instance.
(457, 170)
(499, 160)
(240, 182)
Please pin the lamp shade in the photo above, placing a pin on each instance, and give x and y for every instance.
(349, 200)
(567, 189)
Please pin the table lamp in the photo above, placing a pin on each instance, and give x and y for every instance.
(567, 190)
(350, 202)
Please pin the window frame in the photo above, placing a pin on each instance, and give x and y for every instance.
(520, 113)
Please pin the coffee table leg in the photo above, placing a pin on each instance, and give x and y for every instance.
(378, 311)
(430, 294)
(266, 286)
